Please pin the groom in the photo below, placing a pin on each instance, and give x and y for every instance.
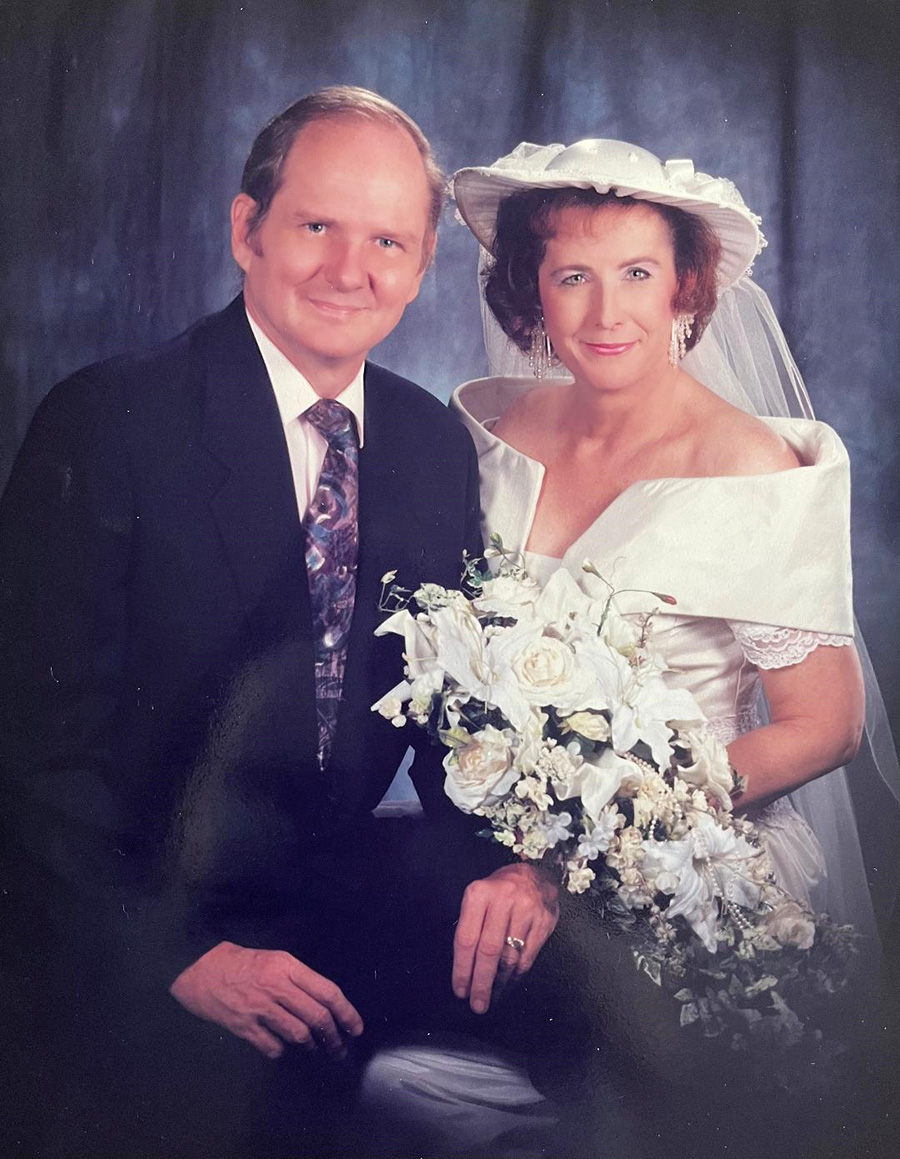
(192, 547)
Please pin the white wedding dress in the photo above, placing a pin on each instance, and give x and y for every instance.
(759, 566)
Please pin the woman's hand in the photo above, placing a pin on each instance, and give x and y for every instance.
(817, 712)
(519, 902)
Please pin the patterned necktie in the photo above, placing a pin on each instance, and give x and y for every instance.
(332, 544)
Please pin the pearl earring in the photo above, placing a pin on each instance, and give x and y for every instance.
(540, 356)
(682, 328)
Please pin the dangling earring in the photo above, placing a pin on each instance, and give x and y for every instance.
(540, 356)
(682, 328)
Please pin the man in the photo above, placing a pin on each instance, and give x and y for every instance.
(192, 548)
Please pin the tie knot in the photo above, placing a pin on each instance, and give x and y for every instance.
(334, 422)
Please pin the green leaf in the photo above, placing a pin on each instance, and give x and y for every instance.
(453, 738)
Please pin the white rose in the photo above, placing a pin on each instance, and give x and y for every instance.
(710, 768)
(590, 725)
(479, 772)
(422, 692)
(508, 597)
(791, 925)
(543, 665)
(547, 672)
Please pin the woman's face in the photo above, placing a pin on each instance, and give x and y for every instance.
(607, 283)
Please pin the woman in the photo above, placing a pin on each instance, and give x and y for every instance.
(611, 266)
(613, 263)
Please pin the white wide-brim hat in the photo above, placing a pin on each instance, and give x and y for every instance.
(626, 170)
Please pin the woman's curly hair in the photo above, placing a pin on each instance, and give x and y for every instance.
(525, 225)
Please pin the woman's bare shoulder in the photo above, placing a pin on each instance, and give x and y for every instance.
(523, 424)
(736, 443)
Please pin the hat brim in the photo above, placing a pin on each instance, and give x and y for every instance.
(479, 191)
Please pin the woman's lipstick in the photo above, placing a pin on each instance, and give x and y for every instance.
(608, 349)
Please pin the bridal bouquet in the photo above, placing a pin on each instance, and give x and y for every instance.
(563, 735)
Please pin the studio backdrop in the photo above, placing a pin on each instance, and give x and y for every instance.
(126, 124)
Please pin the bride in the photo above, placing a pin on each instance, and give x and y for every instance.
(645, 414)
(611, 264)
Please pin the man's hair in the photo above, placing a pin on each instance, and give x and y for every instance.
(263, 171)
(525, 223)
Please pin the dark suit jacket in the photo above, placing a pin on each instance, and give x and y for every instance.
(159, 726)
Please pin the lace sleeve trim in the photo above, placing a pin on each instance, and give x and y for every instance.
(769, 647)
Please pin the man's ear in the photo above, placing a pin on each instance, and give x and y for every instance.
(429, 248)
(429, 245)
(244, 246)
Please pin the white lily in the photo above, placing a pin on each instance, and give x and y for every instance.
(709, 862)
(561, 600)
(643, 714)
(480, 665)
(611, 671)
(598, 781)
(419, 649)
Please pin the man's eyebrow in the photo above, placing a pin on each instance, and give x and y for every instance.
(305, 215)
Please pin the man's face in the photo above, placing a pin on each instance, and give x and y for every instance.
(343, 248)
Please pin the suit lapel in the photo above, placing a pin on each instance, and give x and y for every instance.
(255, 507)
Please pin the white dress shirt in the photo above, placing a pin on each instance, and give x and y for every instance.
(294, 396)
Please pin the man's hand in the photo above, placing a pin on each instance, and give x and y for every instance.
(268, 998)
(518, 902)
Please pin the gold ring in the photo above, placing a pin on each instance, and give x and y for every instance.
(515, 943)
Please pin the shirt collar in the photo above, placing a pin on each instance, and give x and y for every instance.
(293, 392)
